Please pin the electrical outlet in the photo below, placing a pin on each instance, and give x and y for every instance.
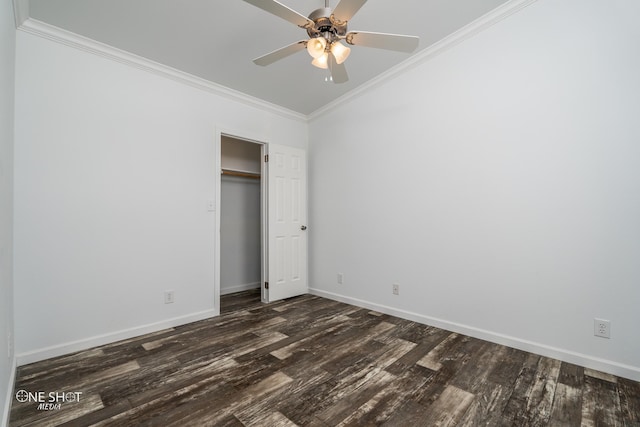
(168, 297)
(340, 278)
(396, 289)
(602, 328)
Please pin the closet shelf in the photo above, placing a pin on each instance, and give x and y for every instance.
(243, 174)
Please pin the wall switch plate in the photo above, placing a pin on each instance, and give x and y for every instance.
(168, 297)
(396, 289)
(602, 328)
(340, 278)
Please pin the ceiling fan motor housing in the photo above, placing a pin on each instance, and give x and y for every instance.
(326, 25)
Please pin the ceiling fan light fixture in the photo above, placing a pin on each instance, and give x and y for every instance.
(340, 52)
(322, 61)
(326, 28)
(316, 47)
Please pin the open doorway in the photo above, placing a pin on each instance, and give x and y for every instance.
(241, 223)
(261, 238)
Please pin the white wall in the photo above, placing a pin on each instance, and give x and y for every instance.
(498, 184)
(240, 250)
(7, 76)
(114, 167)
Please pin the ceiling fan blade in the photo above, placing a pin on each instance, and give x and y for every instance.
(282, 11)
(345, 10)
(281, 53)
(397, 42)
(338, 71)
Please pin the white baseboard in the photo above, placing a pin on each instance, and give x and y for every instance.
(608, 366)
(84, 344)
(4, 421)
(238, 288)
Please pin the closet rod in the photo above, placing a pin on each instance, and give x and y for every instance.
(242, 174)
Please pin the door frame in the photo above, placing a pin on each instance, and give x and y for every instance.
(263, 142)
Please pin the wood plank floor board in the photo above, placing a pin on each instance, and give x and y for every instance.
(310, 361)
(571, 375)
(301, 410)
(351, 358)
(387, 401)
(241, 301)
(98, 415)
(515, 411)
(139, 394)
(176, 408)
(316, 343)
(92, 364)
(448, 409)
(487, 410)
(567, 406)
(507, 368)
(422, 348)
(303, 335)
(312, 342)
(541, 395)
(600, 403)
(60, 365)
(408, 414)
(501, 367)
(437, 382)
(477, 362)
(446, 361)
(358, 395)
(145, 386)
(630, 402)
(446, 348)
(327, 397)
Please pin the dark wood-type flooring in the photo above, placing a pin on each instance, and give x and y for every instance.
(310, 361)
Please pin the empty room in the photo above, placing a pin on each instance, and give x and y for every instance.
(319, 213)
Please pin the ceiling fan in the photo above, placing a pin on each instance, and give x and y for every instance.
(326, 29)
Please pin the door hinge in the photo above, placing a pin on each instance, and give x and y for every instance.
(266, 158)
(266, 285)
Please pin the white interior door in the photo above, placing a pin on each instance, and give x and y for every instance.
(286, 222)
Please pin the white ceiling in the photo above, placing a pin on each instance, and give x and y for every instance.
(217, 40)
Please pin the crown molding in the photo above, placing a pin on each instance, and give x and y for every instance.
(50, 32)
(479, 25)
(20, 11)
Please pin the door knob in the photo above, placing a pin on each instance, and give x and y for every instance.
(303, 227)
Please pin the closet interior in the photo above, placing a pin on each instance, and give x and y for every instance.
(240, 219)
